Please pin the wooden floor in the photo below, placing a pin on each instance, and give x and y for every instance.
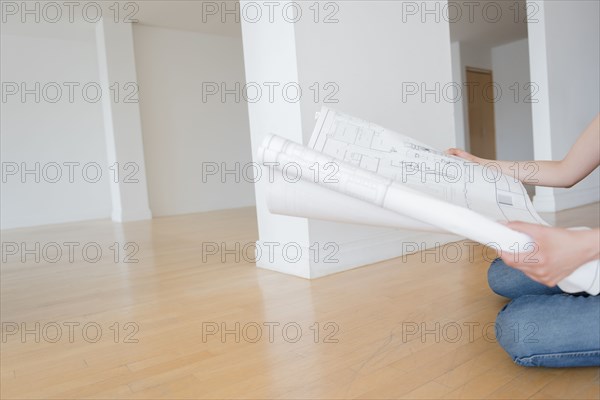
(146, 329)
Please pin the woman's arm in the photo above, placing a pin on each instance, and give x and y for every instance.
(582, 159)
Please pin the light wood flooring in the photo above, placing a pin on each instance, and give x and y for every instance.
(147, 329)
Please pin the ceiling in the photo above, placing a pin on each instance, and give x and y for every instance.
(479, 22)
(489, 22)
(191, 15)
(478, 26)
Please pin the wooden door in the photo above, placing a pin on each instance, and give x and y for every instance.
(481, 96)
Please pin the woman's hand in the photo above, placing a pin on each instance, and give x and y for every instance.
(557, 253)
(465, 155)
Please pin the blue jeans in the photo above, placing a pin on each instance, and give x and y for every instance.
(543, 326)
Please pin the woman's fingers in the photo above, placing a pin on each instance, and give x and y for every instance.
(461, 153)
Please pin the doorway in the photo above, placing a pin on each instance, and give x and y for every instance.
(481, 97)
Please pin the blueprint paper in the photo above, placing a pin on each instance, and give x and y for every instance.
(357, 172)
(419, 166)
(298, 200)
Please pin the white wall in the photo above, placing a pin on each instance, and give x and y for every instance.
(371, 67)
(181, 131)
(565, 63)
(47, 132)
(514, 137)
(474, 55)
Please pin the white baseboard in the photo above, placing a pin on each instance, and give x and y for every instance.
(562, 199)
(325, 260)
(132, 215)
(270, 255)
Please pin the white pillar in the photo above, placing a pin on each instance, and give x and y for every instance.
(270, 56)
(122, 124)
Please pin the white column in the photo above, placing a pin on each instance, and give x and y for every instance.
(270, 56)
(540, 107)
(122, 124)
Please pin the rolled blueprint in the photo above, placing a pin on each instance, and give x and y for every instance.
(298, 200)
(385, 197)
